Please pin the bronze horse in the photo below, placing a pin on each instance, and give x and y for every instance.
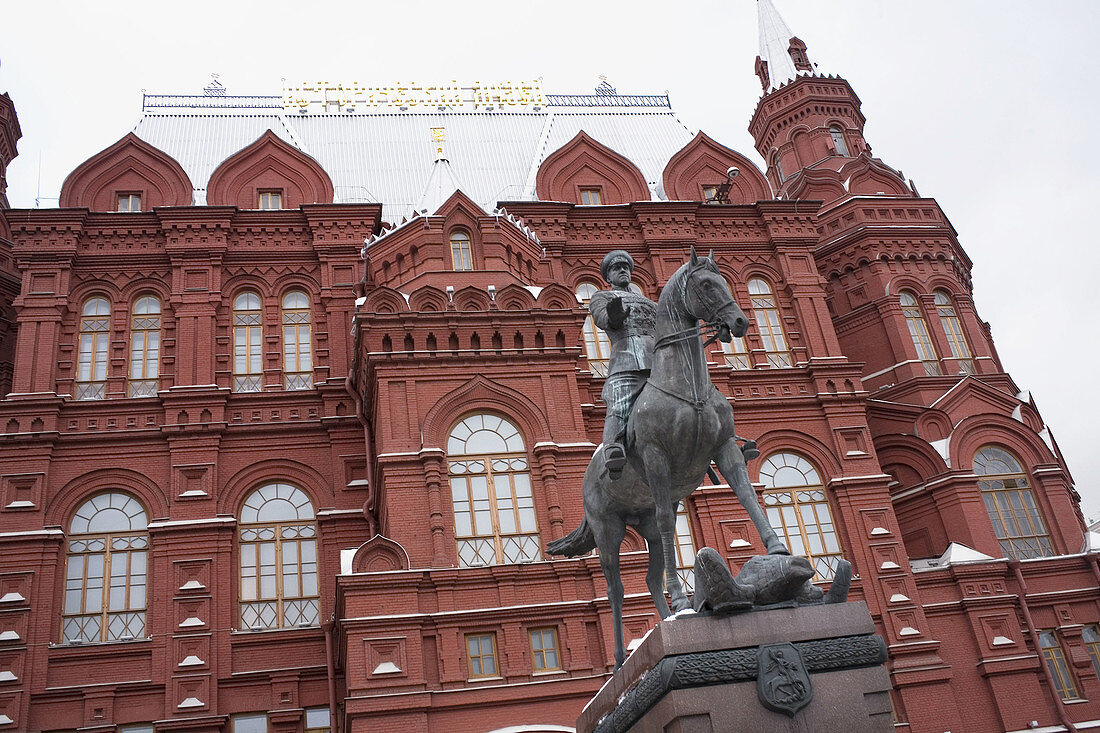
(680, 423)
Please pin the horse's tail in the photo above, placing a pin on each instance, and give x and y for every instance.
(578, 542)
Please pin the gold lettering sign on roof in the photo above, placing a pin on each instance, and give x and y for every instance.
(401, 96)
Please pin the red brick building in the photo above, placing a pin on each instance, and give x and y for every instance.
(299, 388)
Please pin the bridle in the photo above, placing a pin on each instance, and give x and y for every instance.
(711, 324)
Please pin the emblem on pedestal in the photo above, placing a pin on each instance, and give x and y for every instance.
(781, 679)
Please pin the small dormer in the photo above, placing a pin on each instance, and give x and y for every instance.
(797, 51)
(587, 172)
(762, 73)
(269, 174)
(129, 176)
(706, 171)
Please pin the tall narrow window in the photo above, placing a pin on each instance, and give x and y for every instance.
(544, 649)
(297, 348)
(272, 199)
(481, 654)
(91, 362)
(491, 491)
(144, 347)
(105, 570)
(278, 559)
(129, 202)
(768, 323)
(590, 196)
(736, 352)
(778, 168)
(1055, 658)
(685, 549)
(797, 508)
(1011, 505)
(918, 331)
(461, 256)
(597, 346)
(838, 140)
(247, 371)
(952, 328)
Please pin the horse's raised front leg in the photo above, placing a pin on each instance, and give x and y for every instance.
(655, 575)
(732, 465)
(609, 531)
(659, 477)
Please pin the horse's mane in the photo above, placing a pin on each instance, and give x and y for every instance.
(677, 284)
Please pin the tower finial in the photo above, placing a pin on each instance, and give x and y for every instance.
(782, 55)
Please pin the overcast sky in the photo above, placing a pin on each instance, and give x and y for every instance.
(986, 105)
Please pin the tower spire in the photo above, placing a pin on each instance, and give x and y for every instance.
(782, 54)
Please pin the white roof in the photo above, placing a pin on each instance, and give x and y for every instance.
(387, 157)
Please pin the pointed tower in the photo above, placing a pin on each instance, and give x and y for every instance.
(804, 119)
(940, 407)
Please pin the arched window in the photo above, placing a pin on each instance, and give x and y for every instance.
(461, 257)
(297, 348)
(144, 347)
(736, 352)
(918, 330)
(247, 369)
(1011, 505)
(797, 508)
(778, 168)
(768, 323)
(952, 328)
(491, 490)
(596, 344)
(91, 362)
(105, 570)
(838, 140)
(278, 559)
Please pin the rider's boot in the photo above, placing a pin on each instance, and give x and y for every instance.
(614, 459)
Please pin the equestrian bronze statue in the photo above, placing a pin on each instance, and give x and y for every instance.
(679, 424)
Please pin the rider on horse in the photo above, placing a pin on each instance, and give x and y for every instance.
(629, 319)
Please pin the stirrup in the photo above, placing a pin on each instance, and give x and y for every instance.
(614, 460)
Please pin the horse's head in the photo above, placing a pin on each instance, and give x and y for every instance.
(707, 297)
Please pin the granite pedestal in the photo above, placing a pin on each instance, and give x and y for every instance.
(699, 674)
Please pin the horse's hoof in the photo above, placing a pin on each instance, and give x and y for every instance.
(680, 604)
(778, 549)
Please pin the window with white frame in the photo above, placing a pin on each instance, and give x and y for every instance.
(278, 547)
(144, 347)
(918, 331)
(297, 347)
(247, 343)
(597, 346)
(105, 570)
(839, 144)
(736, 352)
(91, 360)
(798, 509)
(491, 493)
(1011, 505)
(461, 255)
(769, 324)
(952, 328)
(685, 549)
